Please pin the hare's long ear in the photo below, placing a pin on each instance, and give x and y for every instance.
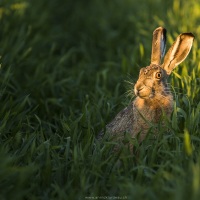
(158, 45)
(178, 52)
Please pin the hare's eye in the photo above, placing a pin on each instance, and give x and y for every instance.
(145, 71)
(158, 75)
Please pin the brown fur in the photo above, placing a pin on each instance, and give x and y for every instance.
(154, 97)
(141, 111)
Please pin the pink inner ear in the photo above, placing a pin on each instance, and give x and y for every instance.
(178, 52)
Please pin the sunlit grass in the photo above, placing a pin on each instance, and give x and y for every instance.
(10, 8)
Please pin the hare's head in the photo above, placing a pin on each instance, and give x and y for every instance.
(152, 81)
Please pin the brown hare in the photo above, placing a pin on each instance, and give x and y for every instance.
(153, 96)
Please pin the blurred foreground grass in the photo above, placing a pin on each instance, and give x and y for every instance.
(63, 66)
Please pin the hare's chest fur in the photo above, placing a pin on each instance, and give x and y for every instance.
(138, 117)
(149, 112)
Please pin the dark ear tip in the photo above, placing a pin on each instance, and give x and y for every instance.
(188, 34)
(160, 29)
(191, 34)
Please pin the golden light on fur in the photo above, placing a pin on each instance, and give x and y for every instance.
(153, 96)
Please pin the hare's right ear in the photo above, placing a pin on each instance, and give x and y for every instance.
(178, 52)
(158, 45)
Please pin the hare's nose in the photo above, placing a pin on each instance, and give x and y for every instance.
(138, 89)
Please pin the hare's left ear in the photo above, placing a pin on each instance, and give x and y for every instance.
(158, 45)
(178, 52)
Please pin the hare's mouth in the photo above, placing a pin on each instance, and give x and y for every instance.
(144, 93)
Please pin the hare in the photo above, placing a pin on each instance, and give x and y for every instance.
(153, 96)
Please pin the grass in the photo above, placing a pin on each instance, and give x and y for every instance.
(63, 71)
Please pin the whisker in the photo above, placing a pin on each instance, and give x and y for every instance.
(174, 89)
(173, 86)
(129, 82)
(159, 94)
(130, 93)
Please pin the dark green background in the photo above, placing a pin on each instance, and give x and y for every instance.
(63, 71)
